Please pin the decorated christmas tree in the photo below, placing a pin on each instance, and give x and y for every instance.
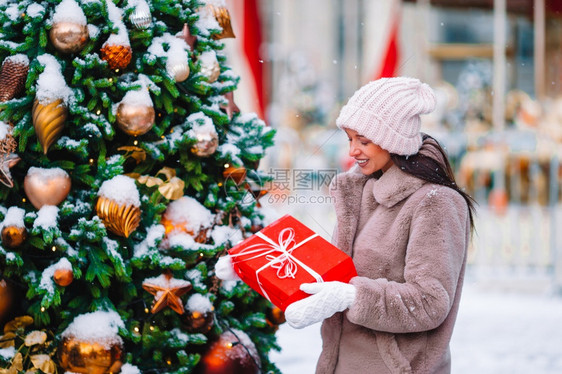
(127, 170)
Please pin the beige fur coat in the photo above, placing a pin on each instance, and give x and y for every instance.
(408, 239)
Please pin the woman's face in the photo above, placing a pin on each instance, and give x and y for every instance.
(369, 156)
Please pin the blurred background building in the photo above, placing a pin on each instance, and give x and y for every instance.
(496, 67)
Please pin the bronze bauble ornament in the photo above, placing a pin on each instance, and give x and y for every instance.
(13, 236)
(210, 67)
(87, 357)
(207, 143)
(48, 120)
(177, 70)
(63, 277)
(46, 187)
(117, 56)
(6, 298)
(229, 355)
(119, 219)
(197, 322)
(135, 119)
(69, 37)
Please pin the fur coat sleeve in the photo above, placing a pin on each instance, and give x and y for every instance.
(434, 258)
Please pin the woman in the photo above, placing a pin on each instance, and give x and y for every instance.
(407, 226)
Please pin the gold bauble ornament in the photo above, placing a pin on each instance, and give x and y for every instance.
(196, 322)
(135, 119)
(87, 357)
(119, 219)
(63, 277)
(6, 298)
(13, 236)
(48, 120)
(210, 67)
(117, 56)
(207, 143)
(69, 37)
(229, 355)
(178, 70)
(45, 187)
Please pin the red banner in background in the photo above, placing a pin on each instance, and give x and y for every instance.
(251, 43)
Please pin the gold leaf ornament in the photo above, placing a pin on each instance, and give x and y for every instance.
(43, 363)
(7, 340)
(171, 188)
(35, 338)
(136, 153)
(18, 323)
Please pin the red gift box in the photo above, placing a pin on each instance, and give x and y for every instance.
(278, 259)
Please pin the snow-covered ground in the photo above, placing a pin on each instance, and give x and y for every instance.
(496, 333)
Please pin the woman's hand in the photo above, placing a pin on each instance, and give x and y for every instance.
(327, 298)
(224, 269)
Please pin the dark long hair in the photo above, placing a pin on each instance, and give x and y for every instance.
(432, 171)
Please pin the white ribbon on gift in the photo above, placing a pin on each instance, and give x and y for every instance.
(279, 256)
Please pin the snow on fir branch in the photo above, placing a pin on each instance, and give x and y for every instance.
(199, 303)
(47, 218)
(11, 258)
(69, 11)
(51, 85)
(35, 11)
(14, 217)
(149, 246)
(67, 248)
(129, 369)
(121, 189)
(100, 327)
(223, 235)
(111, 248)
(115, 15)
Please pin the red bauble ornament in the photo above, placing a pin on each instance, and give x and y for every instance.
(232, 353)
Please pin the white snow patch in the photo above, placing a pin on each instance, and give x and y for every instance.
(121, 189)
(97, 327)
(47, 217)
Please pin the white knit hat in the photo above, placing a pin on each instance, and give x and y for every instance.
(387, 112)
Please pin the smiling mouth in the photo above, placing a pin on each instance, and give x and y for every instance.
(361, 162)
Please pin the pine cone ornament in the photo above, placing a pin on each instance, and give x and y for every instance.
(117, 56)
(13, 76)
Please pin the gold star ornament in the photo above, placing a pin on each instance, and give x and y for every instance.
(167, 292)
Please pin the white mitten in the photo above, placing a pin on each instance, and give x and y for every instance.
(224, 269)
(327, 299)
